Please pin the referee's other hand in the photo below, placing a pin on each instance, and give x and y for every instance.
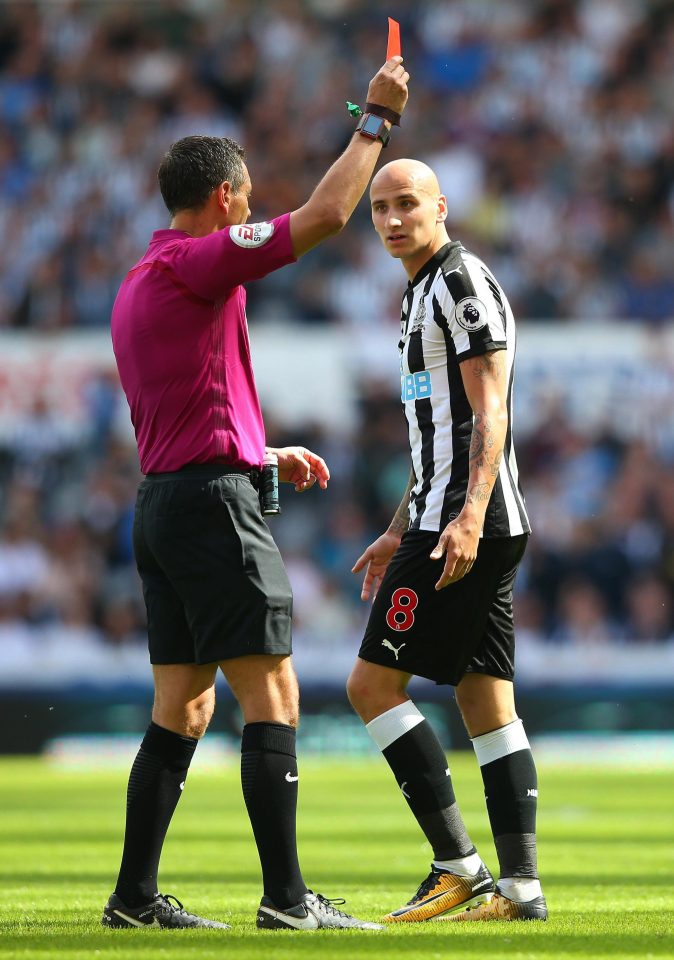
(302, 467)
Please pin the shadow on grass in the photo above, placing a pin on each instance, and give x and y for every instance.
(611, 842)
(365, 882)
(37, 836)
(554, 939)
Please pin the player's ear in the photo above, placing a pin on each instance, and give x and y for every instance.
(442, 209)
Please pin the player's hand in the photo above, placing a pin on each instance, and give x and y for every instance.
(388, 87)
(377, 558)
(302, 467)
(458, 544)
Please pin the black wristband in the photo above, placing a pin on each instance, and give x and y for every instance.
(383, 112)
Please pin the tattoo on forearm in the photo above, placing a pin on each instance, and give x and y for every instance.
(483, 453)
(476, 439)
(478, 493)
(401, 520)
(487, 439)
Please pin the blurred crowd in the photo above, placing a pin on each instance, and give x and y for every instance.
(549, 123)
(550, 126)
(598, 572)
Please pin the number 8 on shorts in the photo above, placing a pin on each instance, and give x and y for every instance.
(400, 615)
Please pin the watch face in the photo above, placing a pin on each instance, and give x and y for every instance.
(373, 125)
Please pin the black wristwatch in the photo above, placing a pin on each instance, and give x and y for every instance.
(373, 127)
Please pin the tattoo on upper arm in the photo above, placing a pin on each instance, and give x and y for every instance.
(486, 367)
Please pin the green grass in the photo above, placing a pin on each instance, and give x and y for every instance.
(606, 857)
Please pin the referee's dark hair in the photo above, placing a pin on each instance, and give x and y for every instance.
(194, 166)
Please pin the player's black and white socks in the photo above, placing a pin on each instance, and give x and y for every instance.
(511, 791)
(419, 764)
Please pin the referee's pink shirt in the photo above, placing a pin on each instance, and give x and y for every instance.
(180, 338)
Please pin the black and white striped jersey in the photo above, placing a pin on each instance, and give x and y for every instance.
(454, 309)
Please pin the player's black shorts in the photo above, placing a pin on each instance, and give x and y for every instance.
(443, 634)
(214, 583)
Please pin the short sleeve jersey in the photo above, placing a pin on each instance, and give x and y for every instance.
(454, 309)
(180, 337)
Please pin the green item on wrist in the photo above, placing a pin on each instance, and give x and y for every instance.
(354, 109)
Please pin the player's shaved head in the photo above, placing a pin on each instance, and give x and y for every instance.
(409, 212)
(406, 174)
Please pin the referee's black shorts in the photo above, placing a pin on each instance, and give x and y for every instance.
(443, 634)
(214, 583)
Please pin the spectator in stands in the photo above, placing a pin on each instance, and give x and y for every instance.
(577, 218)
(583, 616)
(649, 611)
(89, 92)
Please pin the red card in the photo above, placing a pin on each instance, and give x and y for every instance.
(393, 48)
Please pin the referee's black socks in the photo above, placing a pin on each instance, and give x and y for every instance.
(419, 764)
(155, 785)
(511, 791)
(269, 780)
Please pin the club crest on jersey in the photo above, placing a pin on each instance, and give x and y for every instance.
(251, 234)
(420, 318)
(471, 314)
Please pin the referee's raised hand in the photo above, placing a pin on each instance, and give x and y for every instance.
(302, 467)
(388, 87)
(329, 207)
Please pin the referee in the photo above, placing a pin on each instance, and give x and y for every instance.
(445, 568)
(216, 592)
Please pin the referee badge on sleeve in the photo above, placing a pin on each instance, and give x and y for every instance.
(251, 234)
(471, 314)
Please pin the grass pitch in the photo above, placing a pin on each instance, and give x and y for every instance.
(606, 857)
